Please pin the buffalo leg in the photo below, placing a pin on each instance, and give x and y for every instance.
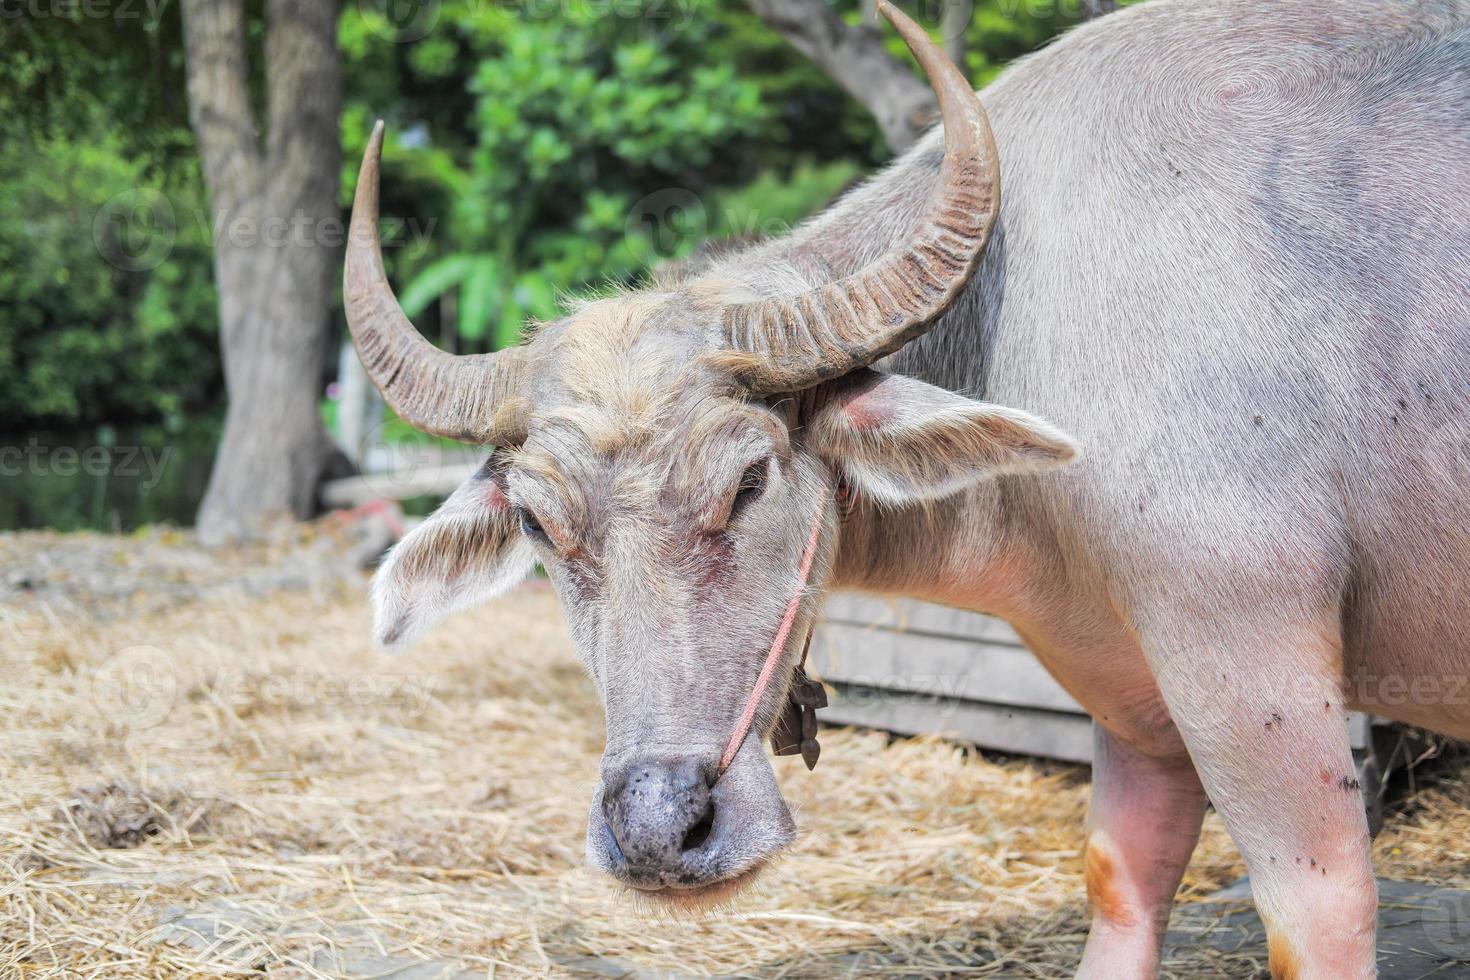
(1260, 707)
(1142, 825)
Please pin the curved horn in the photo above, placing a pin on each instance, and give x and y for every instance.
(471, 397)
(843, 325)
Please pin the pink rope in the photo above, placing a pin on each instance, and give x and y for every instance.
(768, 670)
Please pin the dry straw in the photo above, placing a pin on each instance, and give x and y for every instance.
(208, 779)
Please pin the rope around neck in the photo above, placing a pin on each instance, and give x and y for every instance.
(768, 669)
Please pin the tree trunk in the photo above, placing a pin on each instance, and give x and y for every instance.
(854, 57)
(278, 234)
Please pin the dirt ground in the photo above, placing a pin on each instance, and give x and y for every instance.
(206, 770)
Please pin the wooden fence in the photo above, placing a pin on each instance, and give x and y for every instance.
(914, 668)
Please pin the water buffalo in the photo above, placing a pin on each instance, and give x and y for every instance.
(1232, 268)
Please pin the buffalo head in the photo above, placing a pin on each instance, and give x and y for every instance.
(663, 454)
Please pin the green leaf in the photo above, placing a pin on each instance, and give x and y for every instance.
(536, 295)
(478, 297)
(436, 279)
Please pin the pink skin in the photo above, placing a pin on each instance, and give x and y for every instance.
(1142, 827)
(1207, 677)
(1306, 850)
(1266, 738)
(1265, 732)
(1269, 740)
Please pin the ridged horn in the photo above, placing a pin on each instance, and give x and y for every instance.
(843, 325)
(473, 397)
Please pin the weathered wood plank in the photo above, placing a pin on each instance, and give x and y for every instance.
(912, 616)
(914, 668)
(1001, 728)
(943, 666)
(1024, 731)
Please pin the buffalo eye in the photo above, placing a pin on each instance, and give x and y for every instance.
(531, 527)
(752, 485)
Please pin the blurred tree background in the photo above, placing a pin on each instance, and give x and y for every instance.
(534, 149)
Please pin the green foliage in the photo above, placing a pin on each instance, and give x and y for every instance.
(105, 284)
(72, 66)
(772, 203)
(1002, 30)
(569, 121)
(534, 149)
(104, 279)
(559, 148)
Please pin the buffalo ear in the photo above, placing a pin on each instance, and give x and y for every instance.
(901, 441)
(467, 552)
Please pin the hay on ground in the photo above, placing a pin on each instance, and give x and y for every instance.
(241, 784)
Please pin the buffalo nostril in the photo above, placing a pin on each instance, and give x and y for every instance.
(657, 812)
(695, 837)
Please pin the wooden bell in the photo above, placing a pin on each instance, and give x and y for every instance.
(796, 729)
